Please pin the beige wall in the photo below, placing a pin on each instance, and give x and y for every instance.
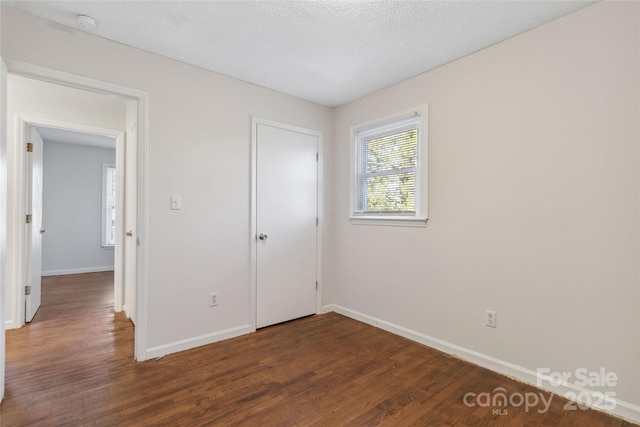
(199, 147)
(534, 193)
(533, 202)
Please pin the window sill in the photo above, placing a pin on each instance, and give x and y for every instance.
(390, 221)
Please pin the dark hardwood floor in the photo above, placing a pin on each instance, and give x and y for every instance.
(73, 366)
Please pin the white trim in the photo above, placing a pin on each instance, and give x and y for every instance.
(320, 227)
(253, 247)
(64, 125)
(142, 98)
(255, 121)
(71, 80)
(118, 249)
(16, 238)
(82, 270)
(142, 283)
(422, 175)
(125, 310)
(390, 221)
(3, 217)
(623, 409)
(190, 343)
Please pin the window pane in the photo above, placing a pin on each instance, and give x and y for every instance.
(391, 193)
(388, 184)
(396, 151)
(388, 165)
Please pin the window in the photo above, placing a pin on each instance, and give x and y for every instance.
(389, 177)
(108, 205)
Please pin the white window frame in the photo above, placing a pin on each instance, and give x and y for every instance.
(105, 226)
(364, 130)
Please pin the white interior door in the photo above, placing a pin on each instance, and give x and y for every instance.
(34, 229)
(286, 212)
(130, 223)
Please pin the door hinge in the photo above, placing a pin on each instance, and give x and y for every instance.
(316, 285)
(29, 147)
(317, 221)
(317, 157)
(27, 290)
(28, 218)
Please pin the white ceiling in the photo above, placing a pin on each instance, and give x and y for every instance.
(329, 52)
(73, 137)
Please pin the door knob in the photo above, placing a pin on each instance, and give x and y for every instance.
(129, 233)
(263, 236)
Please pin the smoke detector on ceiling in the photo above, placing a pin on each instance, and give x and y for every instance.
(86, 23)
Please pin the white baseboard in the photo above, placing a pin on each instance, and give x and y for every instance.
(189, 343)
(9, 324)
(125, 309)
(77, 271)
(622, 409)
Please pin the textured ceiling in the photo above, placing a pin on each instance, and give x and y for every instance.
(329, 52)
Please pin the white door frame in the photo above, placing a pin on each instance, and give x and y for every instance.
(85, 83)
(253, 238)
(23, 122)
(3, 214)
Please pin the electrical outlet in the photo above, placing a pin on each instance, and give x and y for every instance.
(491, 318)
(213, 299)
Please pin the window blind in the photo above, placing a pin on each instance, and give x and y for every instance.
(387, 159)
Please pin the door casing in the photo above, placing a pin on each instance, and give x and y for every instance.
(3, 214)
(15, 272)
(253, 239)
(23, 124)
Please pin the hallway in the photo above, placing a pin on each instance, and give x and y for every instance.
(60, 366)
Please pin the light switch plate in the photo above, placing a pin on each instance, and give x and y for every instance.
(176, 202)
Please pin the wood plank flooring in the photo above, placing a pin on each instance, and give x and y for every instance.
(73, 366)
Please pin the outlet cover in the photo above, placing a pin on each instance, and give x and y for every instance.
(213, 299)
(491, 318)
